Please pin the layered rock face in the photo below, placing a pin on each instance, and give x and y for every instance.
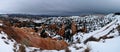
(28, 37)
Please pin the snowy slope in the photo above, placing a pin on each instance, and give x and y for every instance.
(110, 45)
(7, 45)
(102, 45)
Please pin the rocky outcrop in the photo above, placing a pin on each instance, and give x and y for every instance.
(53, 27)
(48, 43)
(28, 37)
(74, 28)
(61, 31)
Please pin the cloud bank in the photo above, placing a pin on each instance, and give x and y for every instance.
(59, 7)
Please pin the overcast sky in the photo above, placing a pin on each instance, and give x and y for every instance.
(59, 7)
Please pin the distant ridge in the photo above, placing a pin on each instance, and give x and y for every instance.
(31, 15)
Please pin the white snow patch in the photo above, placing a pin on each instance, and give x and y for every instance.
(110, 45)
(1, 24)
(6, 47)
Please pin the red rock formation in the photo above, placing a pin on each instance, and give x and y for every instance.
(28, 37)
(16, 24)
(48, 43)
(84, 29)
(73, 28)
(53, 27)
(61, 31)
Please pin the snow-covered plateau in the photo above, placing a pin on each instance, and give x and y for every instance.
(102, 35)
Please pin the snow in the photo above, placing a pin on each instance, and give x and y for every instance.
(5, 47)
(77, 36)
(37, 21)
(110, 45)
(118, 17)
(72, 49)
(1, 24)
(101, 32)
(104, 45)
(31, 49)
(104, 32)
(115, 33)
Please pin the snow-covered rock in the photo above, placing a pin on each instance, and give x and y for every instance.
(7, 45)
(99, 28)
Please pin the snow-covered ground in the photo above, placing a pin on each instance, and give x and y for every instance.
(110, 45)
(102, 45)
(78, 45)
(7, 45)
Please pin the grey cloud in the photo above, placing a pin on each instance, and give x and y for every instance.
(59, 7)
